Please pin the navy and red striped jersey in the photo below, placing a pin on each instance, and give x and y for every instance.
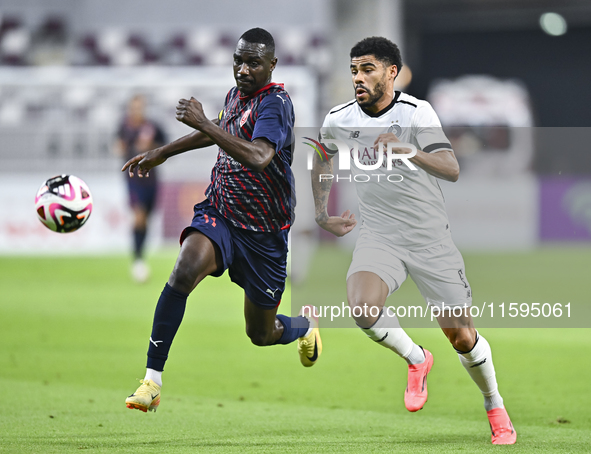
(258, 201)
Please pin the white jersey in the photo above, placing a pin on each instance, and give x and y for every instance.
(410, 211)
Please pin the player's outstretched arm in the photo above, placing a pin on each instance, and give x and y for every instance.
(144, 162)
(337, 225)
(255, 155)
(442, 164)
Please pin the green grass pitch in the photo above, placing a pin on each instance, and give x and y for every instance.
(74, 333)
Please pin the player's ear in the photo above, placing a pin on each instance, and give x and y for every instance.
(273, 63)
(394, 71)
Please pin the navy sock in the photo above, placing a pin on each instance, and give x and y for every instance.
(167, 319)
(293, 327)
(139, 237)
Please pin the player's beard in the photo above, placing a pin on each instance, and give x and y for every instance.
(375, 95)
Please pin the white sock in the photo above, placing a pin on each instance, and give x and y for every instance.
(416, 355)
(154, 375)
(387, 332)
(311, 322)
(478, 362)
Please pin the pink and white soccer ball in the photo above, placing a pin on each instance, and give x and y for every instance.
(63, 203)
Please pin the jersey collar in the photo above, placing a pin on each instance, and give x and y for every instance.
(385, 109)
(266, 87)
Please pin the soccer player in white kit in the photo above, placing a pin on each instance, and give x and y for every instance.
(405, 230)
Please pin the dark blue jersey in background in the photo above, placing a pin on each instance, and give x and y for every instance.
(130, 134)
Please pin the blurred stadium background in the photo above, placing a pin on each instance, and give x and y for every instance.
(510, 82)
(508, 79)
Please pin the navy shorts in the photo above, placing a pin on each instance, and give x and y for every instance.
(142, 193)
(256, 261)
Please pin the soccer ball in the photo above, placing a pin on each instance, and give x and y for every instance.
(63, 203)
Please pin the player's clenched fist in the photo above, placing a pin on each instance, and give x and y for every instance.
(338, 225)
(190, 112)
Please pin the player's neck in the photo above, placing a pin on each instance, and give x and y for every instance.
(377, 109)
(383, 103)
(244, 96)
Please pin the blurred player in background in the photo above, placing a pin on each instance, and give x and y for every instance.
(405, 230)
(243, 224)
(138, 134)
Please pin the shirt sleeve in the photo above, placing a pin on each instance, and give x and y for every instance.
(275, 120)
(326, 132)
(427, 129)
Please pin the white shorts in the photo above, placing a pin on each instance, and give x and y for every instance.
(438, 271)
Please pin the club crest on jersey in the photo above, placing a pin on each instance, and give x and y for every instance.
(244, 117)
(396, 129)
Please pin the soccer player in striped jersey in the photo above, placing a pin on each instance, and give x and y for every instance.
(405, 230)
(243, 224)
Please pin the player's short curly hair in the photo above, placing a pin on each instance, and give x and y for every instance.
(383, 49)
(259, 36)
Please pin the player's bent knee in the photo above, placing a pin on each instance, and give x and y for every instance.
(364, 313)
(462, 339)
(183, 278)
(259, 341)
(259, 338)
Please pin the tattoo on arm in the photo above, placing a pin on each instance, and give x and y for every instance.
(321, 187)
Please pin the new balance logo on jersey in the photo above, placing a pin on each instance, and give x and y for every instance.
(354, 134)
